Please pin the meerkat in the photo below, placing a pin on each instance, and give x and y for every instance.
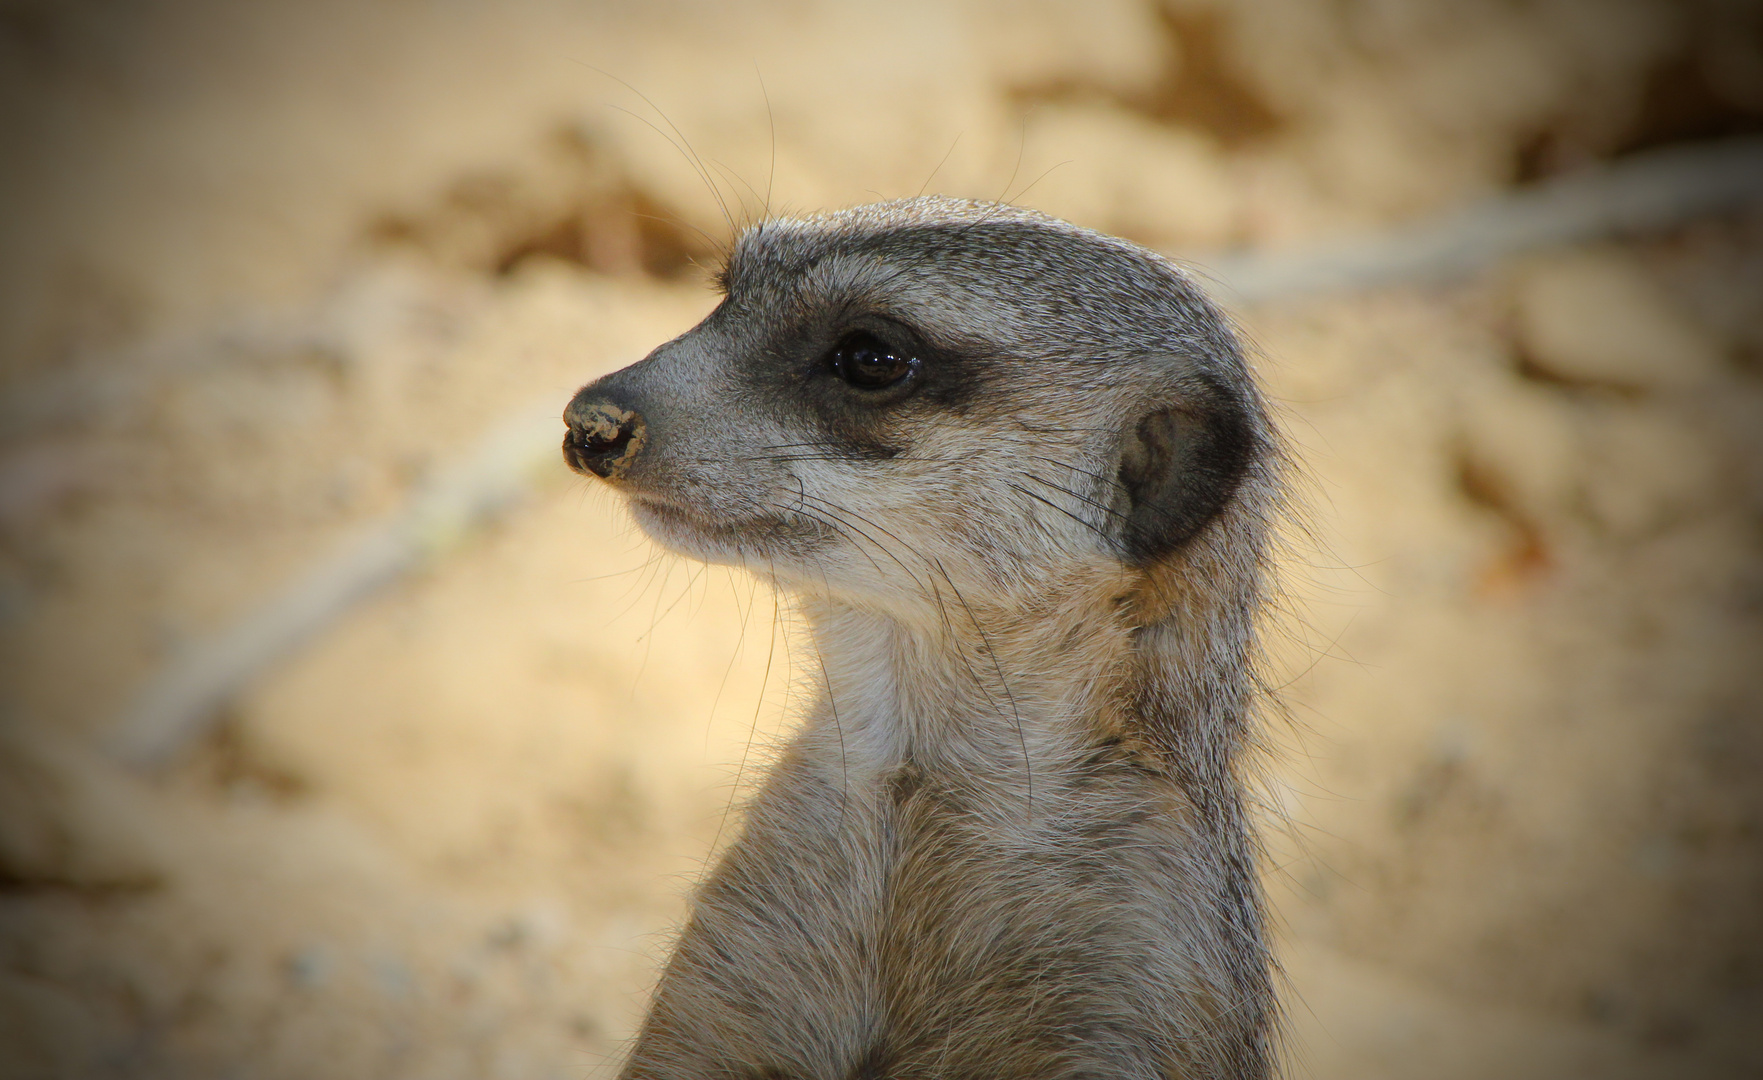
(1019, 481)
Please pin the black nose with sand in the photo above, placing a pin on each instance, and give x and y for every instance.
(604, 436)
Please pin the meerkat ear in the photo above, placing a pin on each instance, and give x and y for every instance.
(1179, 467)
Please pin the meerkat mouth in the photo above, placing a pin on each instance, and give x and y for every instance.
(691, 531)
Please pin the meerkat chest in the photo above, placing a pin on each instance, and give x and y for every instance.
(943, 843)
(1067, 835)
(926, 893)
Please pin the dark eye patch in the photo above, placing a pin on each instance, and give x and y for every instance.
(855, 381)
(866, 362)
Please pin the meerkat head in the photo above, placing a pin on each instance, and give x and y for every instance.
(933, 395)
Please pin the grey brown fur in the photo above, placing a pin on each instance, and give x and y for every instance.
(1009, 839)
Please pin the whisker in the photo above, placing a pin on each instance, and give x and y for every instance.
(940, 164)
(684, 145)
(841, 512)
(845, 531)
(702, 569)
(644, 565)
(1079, 496)
(1027, 767)
(933, 593)
(1050, 170)
(1086, 524)
(675, 220)
(771, 123)
(685, 151)
(1021, 148)
(727, 171)
(648, 641)
(1107, 481)
(832, 705)
(753, 728)
(661, 560)
(740, 642)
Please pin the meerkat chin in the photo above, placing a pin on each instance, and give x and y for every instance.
(1020, 482)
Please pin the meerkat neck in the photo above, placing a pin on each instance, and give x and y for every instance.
(976, 691)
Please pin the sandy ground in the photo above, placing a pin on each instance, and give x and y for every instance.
(268, 267)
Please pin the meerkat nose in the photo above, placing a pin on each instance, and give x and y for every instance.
(604, 437)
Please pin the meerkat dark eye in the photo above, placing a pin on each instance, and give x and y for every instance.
(869, 363)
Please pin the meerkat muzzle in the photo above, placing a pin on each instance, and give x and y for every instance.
(604, 438)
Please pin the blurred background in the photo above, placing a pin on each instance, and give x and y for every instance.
(270, 270)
